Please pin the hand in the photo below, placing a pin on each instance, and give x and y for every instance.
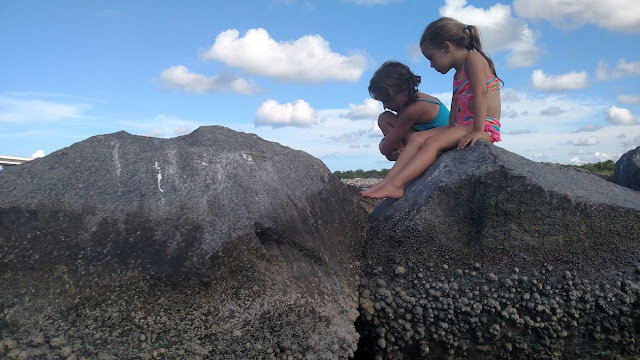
(470, 138)
(394, 155)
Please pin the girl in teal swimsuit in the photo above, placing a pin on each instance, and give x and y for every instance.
(449, 44)
(407, 110)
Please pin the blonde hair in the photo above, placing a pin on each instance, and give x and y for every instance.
(455, 32)
(389, 80)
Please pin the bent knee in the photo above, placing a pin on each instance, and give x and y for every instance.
(387, 117)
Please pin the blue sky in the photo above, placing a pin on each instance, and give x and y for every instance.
(296, 72)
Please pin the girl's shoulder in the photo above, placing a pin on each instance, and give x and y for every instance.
(475, 57)
(424, 105)
(475, 61)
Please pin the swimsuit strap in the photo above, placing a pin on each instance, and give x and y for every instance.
(429, 101)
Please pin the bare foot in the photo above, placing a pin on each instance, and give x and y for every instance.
(374, 186)
(384, 191)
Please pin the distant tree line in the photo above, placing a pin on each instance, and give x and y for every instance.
(602, 168)
(362, 174)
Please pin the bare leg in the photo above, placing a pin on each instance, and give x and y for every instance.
(423, 158)
(415, 141)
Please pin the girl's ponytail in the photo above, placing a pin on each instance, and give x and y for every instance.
(474, 43)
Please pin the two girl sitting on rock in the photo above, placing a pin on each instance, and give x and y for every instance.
(447, 44)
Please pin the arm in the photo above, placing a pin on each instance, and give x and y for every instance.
(475, 67)
(394, 139)
(452, 112)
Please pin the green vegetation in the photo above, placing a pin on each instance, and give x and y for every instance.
(605, 168)
(601, 168)
(353, 174)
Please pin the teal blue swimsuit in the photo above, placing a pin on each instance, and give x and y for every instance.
(442, 119)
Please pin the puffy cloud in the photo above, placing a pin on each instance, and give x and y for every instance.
(620, 116)
(163, 125)
(629, 99)
(349, 137)
(298, 114)
(375, 130)
(500, 30)
(571, 81)
(590, 141)
(589, 128)
(605, 157)
(623, 69)
(307, 59)
(552, 111)
(509, 95)
(154, 133)
(509, 113)
(179, 77)
(576, 161)
(621, 15)
(370, 108)
(37, 154)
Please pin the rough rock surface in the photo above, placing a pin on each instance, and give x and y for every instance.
(492, 256)
(627, 172)
(216, 245)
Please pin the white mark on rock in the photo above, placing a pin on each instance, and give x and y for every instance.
(116, 157)
(157, 166)
(247, 157)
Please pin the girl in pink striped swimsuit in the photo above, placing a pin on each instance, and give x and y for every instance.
(475, 107)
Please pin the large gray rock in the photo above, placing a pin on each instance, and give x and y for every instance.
(627, 172)
(492, 256)
(215, 245)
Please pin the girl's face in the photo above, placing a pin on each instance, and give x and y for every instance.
(397, 101)
(439, 58)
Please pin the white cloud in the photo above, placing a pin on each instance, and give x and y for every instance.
(632, 144)
(576, 161)
(620, 116)
(298, 114)
(182, 130)
(179, 77)
(623, 69)
(621, 15)
(629, 99)
(163, 125)
(350, 137)
(552, 111)
(589, 128)
(571, 81)
(375, 130)
(605, 157)
(578, 152)
(17, 109)
(509, 113)
(590, 141)
(518, 132)
(509, 95)
(154, 133)
(37, 154)
(307, 59)
(500, 30)
(370, 108)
